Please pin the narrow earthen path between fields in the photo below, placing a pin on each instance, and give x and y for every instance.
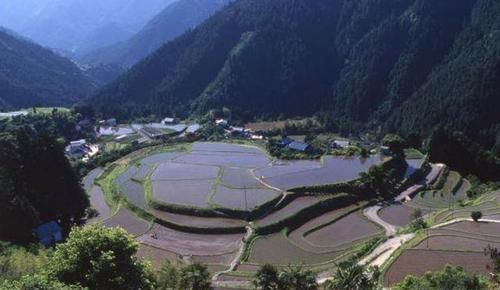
(237, 259)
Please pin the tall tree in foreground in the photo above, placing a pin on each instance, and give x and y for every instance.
(195, 277)
(296, 278)
(37, 184)
(351, 275)
(267, 278)
(100, 258)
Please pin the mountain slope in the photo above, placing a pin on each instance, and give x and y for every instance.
(376, 63)
(32, 75)
(174, 20)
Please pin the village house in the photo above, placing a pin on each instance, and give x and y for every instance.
(299, 146)
(77, 148)
(341, 144)
(49, 233)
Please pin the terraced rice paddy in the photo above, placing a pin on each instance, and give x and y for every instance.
(488, 204)
(99, 203)
(290, 209)
(454, 189)
(195, 201)
(191, 244)
(179, 171)
(240, 178)
(197, 222)
(460, 244)
(128, 221)
(418, 262)
(398, 214)
(243, 199)
(277, 249)
(347, 230)
(297, 236)
(333, 170)
(186, 192)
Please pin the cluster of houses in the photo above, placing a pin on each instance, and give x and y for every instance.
(237, 131)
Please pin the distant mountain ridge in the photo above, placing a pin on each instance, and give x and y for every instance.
(76, 27)
(31, 75)
(174, 20)
(390, 65)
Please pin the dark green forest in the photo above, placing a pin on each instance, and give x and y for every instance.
(399, 66)
(37, 181)
(31, 75)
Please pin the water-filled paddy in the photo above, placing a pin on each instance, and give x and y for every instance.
(243, 199)
(334, 170)
(239, 178)
(184, 192)
(225, 159)
(181, 171)
(225, 147)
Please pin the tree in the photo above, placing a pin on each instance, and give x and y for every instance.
(168, 277)
(100, 258)
(195, 277)
(417, 220)
(17, 261)
(37, 282)
(351, 275)
(395, 143)
(451, 278)
(266, 278)
(296, 278)
(476, 215)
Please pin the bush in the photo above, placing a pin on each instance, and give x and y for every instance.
(476, 215)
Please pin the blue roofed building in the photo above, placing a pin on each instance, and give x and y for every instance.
(49, 233)
(299, 146)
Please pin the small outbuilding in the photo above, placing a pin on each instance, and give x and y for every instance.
(385, 150)
(341, 144)
(168, 121)
(222, 123)
(49, 233)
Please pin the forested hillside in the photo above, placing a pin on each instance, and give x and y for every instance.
(32, 75)
(174, 20)
(397, 65)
